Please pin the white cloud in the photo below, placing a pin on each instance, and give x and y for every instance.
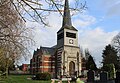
(114, 10)
(111, 7)
(109, 3)
(46, 36)
(96, 39)
(84, 21)
(55, 21)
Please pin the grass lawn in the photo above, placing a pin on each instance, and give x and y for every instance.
(22, 79)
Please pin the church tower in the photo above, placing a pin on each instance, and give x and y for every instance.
(68, 51)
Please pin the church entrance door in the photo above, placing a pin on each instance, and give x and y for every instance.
(72, 68)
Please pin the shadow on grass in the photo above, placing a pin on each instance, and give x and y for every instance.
(24, 79)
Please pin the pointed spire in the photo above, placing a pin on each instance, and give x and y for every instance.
(66, 16)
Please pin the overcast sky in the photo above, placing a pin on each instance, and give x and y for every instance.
(96, 27)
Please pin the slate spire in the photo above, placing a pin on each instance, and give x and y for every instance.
(67, 24)
(66, 16)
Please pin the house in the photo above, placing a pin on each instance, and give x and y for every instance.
(25, 67)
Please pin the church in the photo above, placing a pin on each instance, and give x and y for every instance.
(65, 58)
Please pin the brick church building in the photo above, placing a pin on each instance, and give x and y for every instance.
(63, 59)
(43, 60)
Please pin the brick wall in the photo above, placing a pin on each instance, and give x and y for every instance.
(42, 63)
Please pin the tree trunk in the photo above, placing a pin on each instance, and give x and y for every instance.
(7, 68)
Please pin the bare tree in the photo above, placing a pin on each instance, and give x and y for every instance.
(116, 42)
(38, 10)
(15, 38)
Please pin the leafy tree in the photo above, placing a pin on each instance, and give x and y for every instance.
(110, 56)
(90, 64)
(110, 68)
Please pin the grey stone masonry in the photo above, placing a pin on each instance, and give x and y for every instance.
(104, 77)
(91, 76)
(117, 77)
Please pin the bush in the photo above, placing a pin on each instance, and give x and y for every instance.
(43, 76)
(110, 68)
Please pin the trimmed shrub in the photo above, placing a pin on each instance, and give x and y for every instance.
(43, 76)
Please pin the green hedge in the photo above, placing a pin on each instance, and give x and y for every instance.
(43, 76)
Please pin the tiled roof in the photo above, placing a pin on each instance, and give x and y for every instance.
(48, 50)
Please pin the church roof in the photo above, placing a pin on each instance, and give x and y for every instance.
(47, 50)
(67, 18)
